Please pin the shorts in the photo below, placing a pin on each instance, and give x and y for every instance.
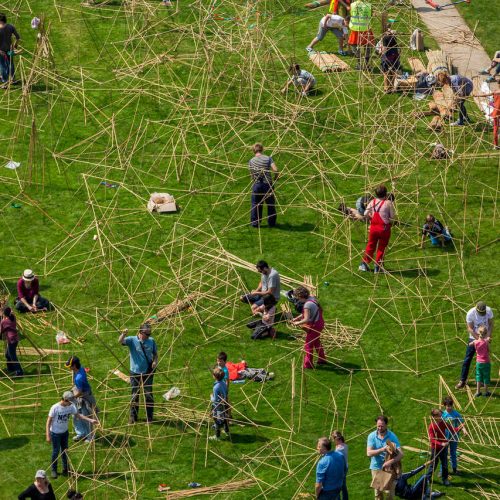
(483, 371)
(435, 239)
(249, 298)
(323, 30)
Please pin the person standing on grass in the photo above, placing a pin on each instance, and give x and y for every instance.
(330, 471)
(382, 215)
(483, 365)
(377, 446)
(452, 417)
(437, 432)
(8, 330)
(56, 430)
(269, 285)
(143, 362)
(340, 7)
(83, 400)
(220, 405)
(41, 489)
(361, 37)
(7, 47)
(28, 296)
(337, 25)
(312, 322)
(476, 317)
(261, 172)
(389, 59)
(341, 447)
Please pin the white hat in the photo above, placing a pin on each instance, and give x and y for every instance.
(41, 474)
(28, 275)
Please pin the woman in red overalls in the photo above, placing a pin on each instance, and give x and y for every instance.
(312, 322)
(381, 212)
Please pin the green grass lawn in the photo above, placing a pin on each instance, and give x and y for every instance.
(149, 99)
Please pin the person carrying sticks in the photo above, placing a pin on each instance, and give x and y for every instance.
(143, 362)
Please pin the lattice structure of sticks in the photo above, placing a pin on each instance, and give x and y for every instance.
(227, 487)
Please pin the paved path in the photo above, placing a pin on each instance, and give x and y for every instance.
(455, 38)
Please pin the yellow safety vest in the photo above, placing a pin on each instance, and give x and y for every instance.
(361, 14)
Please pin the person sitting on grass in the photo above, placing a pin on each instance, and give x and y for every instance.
(452, 416)
(438, 234)
(41, 489)
(28, 297)
(494, 66)
(269, 285)
(264, 327)
(219, 404)
(483, 365)
(351, 213)
(8, 330)
(301, 79)
(337, 25)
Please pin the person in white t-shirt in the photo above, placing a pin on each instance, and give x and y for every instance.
(301, 79)
(337, 25)
(56, 429)
(481, 315)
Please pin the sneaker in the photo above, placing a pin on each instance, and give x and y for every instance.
(88, 440)
(214, 438)
(53, 474)
(65, 472)
(379, 269)
(78, 438)
(484, 72)
(309, 49)
(270, 376)
(342, 53)
(446, 482)
(490, 79)
(456, 473)
(458, 123)
(477, 395)
(460, 385)
(436, 494)
(487, 394)
(364, 267)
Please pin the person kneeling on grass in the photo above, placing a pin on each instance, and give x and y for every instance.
(301, 79)
(264, 327)
(483, 365)
(28, 297)
(219, 404)
(438, 234)
(57, 432)
(337, 25)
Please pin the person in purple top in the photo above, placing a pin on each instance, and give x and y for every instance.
(8, 330)
(462, 88)
(7, 47)
(28, 296)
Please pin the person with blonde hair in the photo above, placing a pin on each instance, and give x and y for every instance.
(483, 365)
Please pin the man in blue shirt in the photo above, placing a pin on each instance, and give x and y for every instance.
(143, 361)
(83, 400)
(376, 449)
(330, 471)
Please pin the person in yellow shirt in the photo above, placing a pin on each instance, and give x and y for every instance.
(361, 38)
(340, 7)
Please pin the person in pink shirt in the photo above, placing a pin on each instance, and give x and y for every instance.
(382, 215)
(483, 365)
(28, 295)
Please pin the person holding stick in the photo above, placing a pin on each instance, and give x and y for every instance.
(28, 295)
(143, 362)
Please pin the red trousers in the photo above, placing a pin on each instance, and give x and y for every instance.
(378, 239)
(496, 126)
(313, 342)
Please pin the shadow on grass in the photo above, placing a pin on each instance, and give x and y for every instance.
(115, 441)
(414, 273)
(248, 439)
(339, 367)
(298, 228)
(12, 443)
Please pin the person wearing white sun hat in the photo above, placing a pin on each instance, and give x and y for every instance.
(28, 296)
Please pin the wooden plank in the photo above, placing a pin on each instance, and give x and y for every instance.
(17, 407)
(328, 63)
(121, 375)
(416, 64)
(31, 351)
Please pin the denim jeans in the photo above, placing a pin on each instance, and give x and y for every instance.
(41, 303)
(6, 68)
(262, 193)
(59, 444)
(329, 495)
(438, 456)
(469, 356)
(82, 427)
(146, 381)
(11, 357)
(453, 445)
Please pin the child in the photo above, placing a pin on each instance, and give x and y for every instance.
(483, 366)
(301, 79)
(450, 415)
(341, 447)
(221, 363)
(264, 327)
(219, 404)
(438, 234)
(439, 445)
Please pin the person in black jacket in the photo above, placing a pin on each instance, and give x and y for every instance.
(415, 491)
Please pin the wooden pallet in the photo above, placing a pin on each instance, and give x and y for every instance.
(328, 63)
